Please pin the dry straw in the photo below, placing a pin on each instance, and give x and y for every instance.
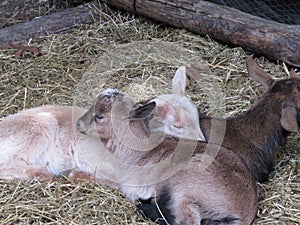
(139, 57)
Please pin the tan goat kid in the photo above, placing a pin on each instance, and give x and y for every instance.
(197, 182)
(43, 142)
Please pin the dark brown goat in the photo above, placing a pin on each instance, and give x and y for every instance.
(257, 134)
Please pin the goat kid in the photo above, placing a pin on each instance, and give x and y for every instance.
(195, 182)
(257, 134)
(43, 142)
(38, 142)
(177, 112)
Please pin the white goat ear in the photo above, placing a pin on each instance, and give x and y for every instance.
(179, 81)
(143, 111)
(289, 116)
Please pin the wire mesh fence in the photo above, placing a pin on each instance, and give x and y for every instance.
(282, 11)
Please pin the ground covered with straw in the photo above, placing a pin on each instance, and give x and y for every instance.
(138, 57)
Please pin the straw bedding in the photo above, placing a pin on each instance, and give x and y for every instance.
(138, 57)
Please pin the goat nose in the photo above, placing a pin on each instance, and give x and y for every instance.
(109, 91)
(80, 126)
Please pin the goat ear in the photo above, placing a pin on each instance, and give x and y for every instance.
(197, 71)
(179, 81)
(293, 74)
(143, 111)
(289, 116)
(257, 73)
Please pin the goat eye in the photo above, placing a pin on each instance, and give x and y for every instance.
(177, 126)
(98, 118)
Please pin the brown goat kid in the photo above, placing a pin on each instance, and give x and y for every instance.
(193, 185)
(255, 135)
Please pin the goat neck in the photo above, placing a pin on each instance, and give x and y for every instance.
(257, 134)
(261, 124)
(127, 146)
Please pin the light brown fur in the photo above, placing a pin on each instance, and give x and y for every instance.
(38, 142)
(43, 142)
(202, 186)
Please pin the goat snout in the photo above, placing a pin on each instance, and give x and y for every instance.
(81, 127)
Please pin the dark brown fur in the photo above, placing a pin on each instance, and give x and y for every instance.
(257, 134)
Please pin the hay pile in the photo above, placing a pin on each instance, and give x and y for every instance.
(139, 57)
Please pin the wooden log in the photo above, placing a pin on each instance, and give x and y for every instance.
(224, 24)
(60, 22)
